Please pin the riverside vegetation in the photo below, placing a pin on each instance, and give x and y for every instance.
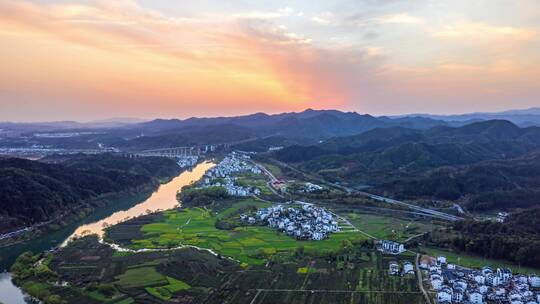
(248, 263)
(51, 191)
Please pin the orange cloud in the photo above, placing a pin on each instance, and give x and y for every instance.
(184, 62)
(223, 62)
(119, 57)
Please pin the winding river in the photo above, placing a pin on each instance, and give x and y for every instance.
(162, 199)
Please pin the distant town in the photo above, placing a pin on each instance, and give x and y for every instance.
(222, 175)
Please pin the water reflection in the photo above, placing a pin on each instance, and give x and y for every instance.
(164, 198)
(9, 293)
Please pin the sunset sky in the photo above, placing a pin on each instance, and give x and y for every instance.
(86, 60)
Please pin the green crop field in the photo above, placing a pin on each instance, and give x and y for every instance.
(275, 170)
(355, 274)
(472, 261)
(166, 292)
(386, 227)
(196, 226)
(126, 301)
(254, 180)
(140, 277)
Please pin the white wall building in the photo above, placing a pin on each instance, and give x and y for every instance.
(436, 284)
(475, 298)
(534, 280)
(444, 296)
(441, 260)
(480, 279)
(408, 268)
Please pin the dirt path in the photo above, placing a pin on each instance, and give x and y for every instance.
(420, 282)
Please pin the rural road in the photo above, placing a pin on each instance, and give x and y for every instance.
(419, 276)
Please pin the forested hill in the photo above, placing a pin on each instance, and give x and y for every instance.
(376, 155)
(38, 191)
(500, 184)
(516, 239)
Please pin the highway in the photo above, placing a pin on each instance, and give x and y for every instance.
(14, 233)
(421, 210)
(427, 211)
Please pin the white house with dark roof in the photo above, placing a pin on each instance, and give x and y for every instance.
(493, 280)
(504, 273)
(393, 268)
(444, 296)
(390, 247)
(436, 283)
(479, 279)
(483, 289)
(534, 280)
(475, 297)
(441, 260)
(408, 268)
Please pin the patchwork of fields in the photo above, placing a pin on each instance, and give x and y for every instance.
(251, 244)
(358, 275)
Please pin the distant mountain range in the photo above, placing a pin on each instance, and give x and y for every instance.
(330, 123)
(522, 117)
(307, 127)
(57, 126)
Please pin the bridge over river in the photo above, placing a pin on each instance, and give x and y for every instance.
(195, 150)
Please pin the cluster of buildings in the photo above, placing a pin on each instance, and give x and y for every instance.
(501, 217)
(394, 269)
(222, 175)
(187, 161)
(64, 135)
(455, 284)
(279, 185)
(390, 247)
(306, 223)
(310, 187)
(39, 150)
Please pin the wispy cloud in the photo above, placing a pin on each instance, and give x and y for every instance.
(244, 50)
(363, 20)
(474, 30)
(260, 56)
(325, 18)
(401, 18)
(282, 12)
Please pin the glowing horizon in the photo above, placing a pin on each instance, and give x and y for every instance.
(87, 60)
